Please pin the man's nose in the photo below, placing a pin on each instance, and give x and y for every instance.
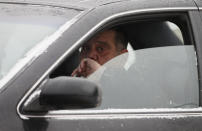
(93, 55)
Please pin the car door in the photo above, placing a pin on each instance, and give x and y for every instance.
(110, 117)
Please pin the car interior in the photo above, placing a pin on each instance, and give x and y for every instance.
(150, 32)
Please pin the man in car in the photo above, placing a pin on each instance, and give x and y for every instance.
(100, 49)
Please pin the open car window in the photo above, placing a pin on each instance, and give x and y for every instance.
(158, 71)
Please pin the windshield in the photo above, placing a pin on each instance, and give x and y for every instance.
(23, 26)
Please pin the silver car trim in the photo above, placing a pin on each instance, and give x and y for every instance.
(88, 114)
(53, 4)
(124, 114)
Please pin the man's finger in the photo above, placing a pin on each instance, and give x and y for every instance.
(83, 65)
(75, 72)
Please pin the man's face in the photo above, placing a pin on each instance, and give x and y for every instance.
(100, 48)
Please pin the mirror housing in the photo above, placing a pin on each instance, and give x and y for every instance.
(69, 93)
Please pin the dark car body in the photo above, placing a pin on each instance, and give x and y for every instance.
(96, 14)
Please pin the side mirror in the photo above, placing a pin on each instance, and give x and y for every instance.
(63, 93)
(69, 93)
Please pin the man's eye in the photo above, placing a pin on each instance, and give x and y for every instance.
(100, 49)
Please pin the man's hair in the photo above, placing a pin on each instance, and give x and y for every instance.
(120, 39)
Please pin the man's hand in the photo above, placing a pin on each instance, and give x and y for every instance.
(86, 67)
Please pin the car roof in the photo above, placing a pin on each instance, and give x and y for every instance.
(80, 4)
(65, 3)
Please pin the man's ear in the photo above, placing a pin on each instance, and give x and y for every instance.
(124, 51)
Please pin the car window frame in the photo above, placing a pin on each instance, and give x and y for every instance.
(85, 37)
(197, 31)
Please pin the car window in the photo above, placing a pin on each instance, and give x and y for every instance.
(158, 71)
(22, 27)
